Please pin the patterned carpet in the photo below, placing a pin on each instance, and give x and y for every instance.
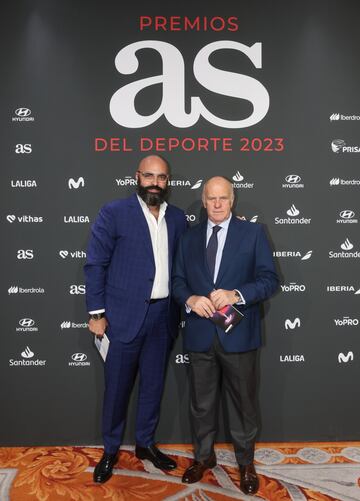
(296, 472)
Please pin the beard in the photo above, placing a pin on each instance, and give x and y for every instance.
(152, 199)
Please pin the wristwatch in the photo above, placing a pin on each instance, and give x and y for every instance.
(97, 316)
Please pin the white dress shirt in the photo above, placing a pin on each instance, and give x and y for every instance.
(159, 241)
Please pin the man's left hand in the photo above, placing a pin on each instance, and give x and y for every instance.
(222, 297)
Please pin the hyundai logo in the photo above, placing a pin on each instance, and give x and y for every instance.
(23, 112)
(347, 214)
(292, 179)
(79, 357)
(26, 322)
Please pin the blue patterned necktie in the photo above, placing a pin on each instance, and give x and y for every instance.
(211, 249)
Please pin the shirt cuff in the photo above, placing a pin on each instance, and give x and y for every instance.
(241, 300)
(187, 308)
(97, 311)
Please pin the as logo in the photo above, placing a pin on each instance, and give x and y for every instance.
(342, 358)
(23, 148)
(25, 254)
(76, 184)
(172, 81)
(182, 358)
(77, 289)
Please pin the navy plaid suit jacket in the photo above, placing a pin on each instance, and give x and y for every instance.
(120, 266)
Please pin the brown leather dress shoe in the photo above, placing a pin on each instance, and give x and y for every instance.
(196, 471)
(249, 481)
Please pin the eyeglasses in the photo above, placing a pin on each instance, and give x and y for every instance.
(149, 176)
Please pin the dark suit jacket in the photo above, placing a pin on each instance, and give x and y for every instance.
(120, 266)
(246, 265)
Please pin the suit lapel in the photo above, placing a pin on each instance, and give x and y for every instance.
(234, 237)
(139, 221)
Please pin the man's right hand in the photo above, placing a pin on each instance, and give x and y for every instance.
(201, 305)
(98, 327)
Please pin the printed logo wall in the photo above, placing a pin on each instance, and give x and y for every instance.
(215, 93)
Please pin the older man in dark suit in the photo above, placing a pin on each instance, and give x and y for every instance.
(223, 261)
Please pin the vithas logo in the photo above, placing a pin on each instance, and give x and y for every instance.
(292, 324)
(72, 184)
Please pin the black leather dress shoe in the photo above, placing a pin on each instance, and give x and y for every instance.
(104, 468)
(196, 471)
(158, 459)
(249, 481)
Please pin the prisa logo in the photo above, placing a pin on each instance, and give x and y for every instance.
(172, 80)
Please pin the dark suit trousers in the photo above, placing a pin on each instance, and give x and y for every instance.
(147, 354)
(237, 373)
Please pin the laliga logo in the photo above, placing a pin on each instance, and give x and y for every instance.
(76, 184)
(337, 145)
(347, 245)
(172, 80)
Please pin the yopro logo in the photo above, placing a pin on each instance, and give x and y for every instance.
(346, 322)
